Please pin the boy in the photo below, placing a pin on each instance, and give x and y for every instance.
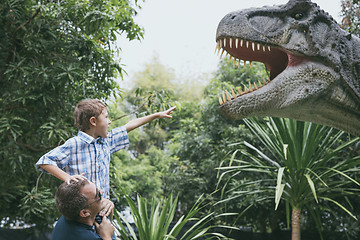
(87, 155)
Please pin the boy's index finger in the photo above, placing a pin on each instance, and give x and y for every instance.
(172, 109)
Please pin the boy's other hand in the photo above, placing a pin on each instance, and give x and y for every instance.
(108, 208)
(166, 114)
(75, 178)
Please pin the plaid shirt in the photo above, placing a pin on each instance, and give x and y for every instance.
(84, 154)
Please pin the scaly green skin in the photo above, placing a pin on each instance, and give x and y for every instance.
(321, 82)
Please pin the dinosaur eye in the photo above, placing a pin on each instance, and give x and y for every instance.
(298, 15)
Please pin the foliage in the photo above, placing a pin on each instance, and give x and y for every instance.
(202, 137)
(143, 167)
(53, 54)
(307, 173)
(153, 222)
(351, 16)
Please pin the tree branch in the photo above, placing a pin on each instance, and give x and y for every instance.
(28, 21)
(142, 105)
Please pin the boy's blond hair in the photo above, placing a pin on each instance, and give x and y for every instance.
(86, 109)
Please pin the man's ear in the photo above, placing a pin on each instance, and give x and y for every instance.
(92, 121)
(84, 213)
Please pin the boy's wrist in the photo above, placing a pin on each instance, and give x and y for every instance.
(157, 115)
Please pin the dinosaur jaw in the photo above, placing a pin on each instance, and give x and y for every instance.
(293, 83)
(275, 59)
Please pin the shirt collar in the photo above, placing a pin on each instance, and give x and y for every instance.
(89, 139)
(85, 137)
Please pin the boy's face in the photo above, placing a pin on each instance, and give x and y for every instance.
(102, 123)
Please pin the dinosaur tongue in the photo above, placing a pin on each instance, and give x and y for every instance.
(295, 60)
(279, 60)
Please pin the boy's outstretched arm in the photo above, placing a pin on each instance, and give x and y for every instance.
(60, 174)
(135, 123)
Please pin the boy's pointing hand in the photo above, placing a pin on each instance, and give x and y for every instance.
(167, 113)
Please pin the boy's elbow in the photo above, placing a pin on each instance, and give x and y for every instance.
(43, 166)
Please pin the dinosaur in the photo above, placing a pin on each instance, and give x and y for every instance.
(314, 65)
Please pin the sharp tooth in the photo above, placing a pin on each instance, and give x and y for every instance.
(239, 90)
(222, 51)
(239, 63)
(224, 98)
(269, 48)
(228, 96)
(260, 85)
(247, 44)
(220, 100)
(250, 63)
(263, 48)
(224, 42)
(244, 63)
(220, 43)
(258, 46)
(253, 46)
(233, 93)
(230, 57)
(237, 43)
(230, 42)
(216, 49)
(264, 81)
(250, 87)
(241, 42)
(234, 62)
(245, 89)
(256, 87)
(227, 54)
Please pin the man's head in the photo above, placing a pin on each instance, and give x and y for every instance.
(85, 110)
(78, 200)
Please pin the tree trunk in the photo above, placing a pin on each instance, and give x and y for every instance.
(295, 224)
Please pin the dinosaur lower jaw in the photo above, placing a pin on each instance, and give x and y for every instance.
(275, 59)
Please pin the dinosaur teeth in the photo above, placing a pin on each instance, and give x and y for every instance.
(220, 100)
(228, 45)
(224, 45)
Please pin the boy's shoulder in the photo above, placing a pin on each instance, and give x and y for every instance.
(70, 141)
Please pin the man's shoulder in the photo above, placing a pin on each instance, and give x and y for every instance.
(66, 229)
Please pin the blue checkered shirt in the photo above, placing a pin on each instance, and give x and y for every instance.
(84, 154)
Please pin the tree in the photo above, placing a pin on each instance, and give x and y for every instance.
(53, 54)
(302, 165)
(351, 16)
(202, 137)
(145, 166)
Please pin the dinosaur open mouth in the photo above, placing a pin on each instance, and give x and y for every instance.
(242, 51)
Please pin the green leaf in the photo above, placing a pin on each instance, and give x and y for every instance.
(312, 186)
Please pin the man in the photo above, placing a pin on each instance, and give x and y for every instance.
(79, 202)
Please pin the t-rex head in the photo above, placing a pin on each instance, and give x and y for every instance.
(314, 65)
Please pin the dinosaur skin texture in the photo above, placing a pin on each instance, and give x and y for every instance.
(314, 65)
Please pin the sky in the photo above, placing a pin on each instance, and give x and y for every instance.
(181, 34)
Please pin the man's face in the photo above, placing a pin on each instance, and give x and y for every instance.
(102, 123)
(94, 195)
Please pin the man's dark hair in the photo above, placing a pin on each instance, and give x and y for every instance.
(69, 199)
